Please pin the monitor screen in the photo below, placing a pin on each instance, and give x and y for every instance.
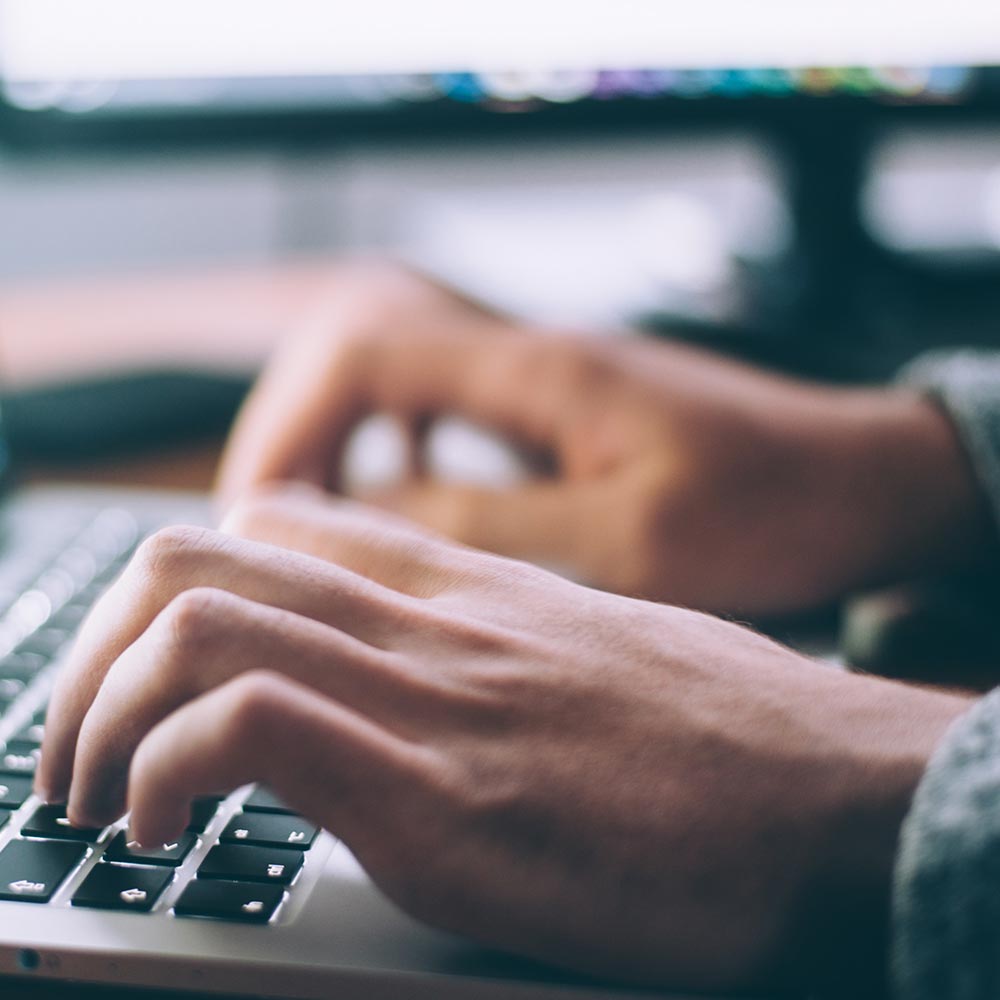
(100, 55)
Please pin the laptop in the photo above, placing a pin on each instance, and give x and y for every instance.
(252, 898)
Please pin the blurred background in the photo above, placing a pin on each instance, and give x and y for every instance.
(813, 186)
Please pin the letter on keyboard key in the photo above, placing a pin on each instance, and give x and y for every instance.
(31, 871)
(167, 856)
(51, 822)
(274, 865)
(267, 830)
(112, 887)
(253, 904)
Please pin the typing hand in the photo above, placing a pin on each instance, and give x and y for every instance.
(677, 475)
(620, 787)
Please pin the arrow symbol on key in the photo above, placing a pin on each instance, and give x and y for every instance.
(134, 896)
(26, 887)
(171, 847)
(255, 906)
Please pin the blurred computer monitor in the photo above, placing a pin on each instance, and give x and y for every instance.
(101, 58)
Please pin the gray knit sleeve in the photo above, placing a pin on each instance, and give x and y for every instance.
(966, 383)
(946, 896)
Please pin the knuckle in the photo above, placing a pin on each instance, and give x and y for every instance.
(169, 550)
(255, 512)
(192, 621)
(251, 702)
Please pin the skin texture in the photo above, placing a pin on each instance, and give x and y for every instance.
(667, 473)
(620, 787)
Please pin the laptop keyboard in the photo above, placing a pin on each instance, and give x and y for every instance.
(240, 856)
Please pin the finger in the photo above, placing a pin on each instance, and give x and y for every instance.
(327, 762)
(374, 543)
(542, 522)
(296, 422)
(179, 559)
(203, 640)
(416, 433)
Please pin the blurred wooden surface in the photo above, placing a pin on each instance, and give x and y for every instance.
(184, 468)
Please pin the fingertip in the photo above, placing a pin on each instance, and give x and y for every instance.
(151, 832)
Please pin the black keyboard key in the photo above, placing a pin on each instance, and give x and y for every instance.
(112, 887)
(268, 830)
(22, 666)
(252, 904)
(167, 856)
(265, 801)
(31, 871)
(29, 736)
(202, 813)
(45, 642)
(14, 792)
(275, 865)
(69, 618)
(51, 822)
(20, 762)
(5, 815)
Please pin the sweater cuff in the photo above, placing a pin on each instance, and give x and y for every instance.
(966, 384)
(946, 893)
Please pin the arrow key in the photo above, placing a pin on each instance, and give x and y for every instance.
(32, 870)
(252, 904)
(167, 856)
(270, 830)
(113, 887)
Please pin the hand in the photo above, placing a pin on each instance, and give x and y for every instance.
(679, 476)
(619, 787)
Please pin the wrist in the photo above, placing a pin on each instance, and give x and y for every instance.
(886, 735)
(917, 506)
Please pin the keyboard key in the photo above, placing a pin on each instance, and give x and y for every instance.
(45, 642)
(268, 830)
(276, 865)
(202, 813)
(19, 763)
(265, 801)
(5, 815)
(14, 792)
(252, 904)
(31, 871)
(51, 822)
(10, 688)
(70, 617)
(167, 856)
(22, 666)
(112, 887)
(29, 736)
